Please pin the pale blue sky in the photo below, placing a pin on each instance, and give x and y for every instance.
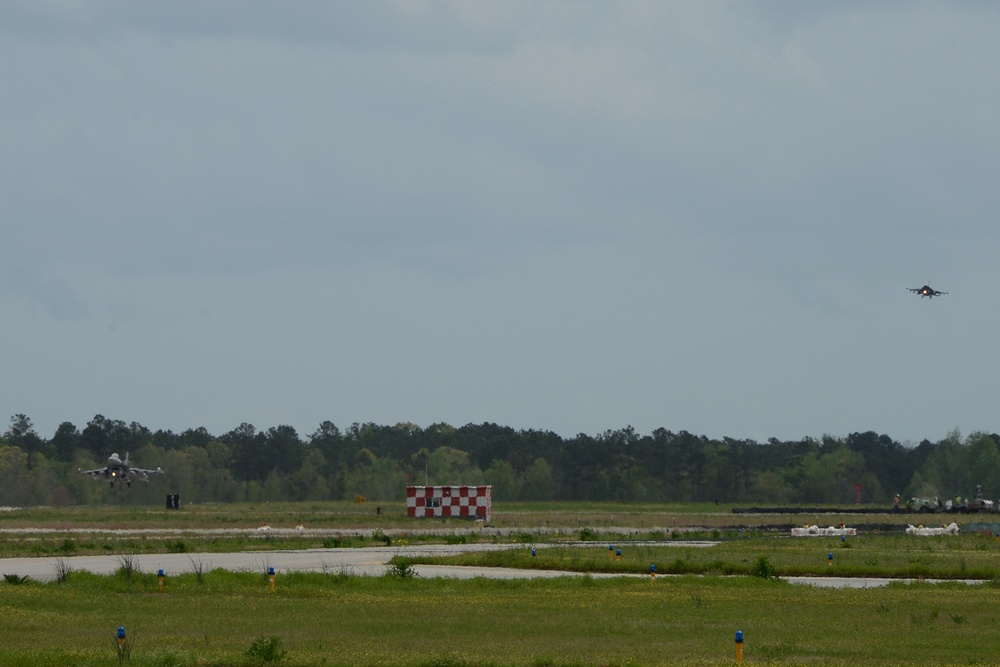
(563, 216)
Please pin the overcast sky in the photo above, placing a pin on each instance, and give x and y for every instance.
(574, 217)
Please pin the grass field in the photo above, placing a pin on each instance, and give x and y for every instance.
(344, 620)
(340, 619)
(971, 556)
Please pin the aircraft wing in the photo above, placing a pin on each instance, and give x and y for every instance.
(144, 473)
(96, 472)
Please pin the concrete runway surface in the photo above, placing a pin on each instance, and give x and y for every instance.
(369, 561)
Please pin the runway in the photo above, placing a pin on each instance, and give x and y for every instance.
(368, 561)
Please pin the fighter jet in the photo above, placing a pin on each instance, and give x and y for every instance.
(926, 290)
(118, 470)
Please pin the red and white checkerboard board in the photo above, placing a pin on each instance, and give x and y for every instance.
(471, 502)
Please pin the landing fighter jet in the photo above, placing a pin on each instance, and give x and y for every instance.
(926, 290)
(118, 470)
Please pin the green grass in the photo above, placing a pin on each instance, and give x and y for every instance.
(220, 618)
(315, 619)
(330, 524)
(885, 555)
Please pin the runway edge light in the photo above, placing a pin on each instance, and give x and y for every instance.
(120, 636)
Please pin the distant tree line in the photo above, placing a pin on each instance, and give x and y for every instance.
(376, 461)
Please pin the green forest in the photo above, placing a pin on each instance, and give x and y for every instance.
(378, 462)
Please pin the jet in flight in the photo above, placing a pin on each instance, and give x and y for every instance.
(926, 290)
(117, 470)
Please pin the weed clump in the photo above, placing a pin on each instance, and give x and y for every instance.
(128, 567)
(266, 650)
(763, 569)
(400, 568)
(62, 571)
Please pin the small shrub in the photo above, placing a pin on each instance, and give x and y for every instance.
(958, 618)
(266, 650)
(587, 535)
(128, 567)
(15, 580)
(400, 568)
(198, 567)
(332, 543)
(763, 569)
(68, 546)
(62, 571)
(177, 547)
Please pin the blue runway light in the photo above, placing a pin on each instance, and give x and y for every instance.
(121, 632)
